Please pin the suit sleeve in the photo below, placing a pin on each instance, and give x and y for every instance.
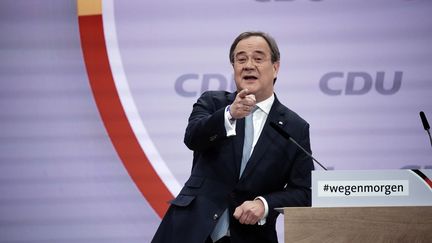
(206, 126)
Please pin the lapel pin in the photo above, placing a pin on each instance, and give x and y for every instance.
(280, 123)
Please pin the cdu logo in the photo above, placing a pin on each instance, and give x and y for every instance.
(192, 84)
(359, 83)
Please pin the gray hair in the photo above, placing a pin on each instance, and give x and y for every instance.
(274, 50)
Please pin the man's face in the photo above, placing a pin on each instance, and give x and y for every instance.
(253, 68)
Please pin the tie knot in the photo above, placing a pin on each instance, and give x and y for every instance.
(249, 117)
(254, 109)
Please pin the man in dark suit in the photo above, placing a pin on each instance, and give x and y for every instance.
(242, 168)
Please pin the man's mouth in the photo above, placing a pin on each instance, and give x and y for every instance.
(250, 77)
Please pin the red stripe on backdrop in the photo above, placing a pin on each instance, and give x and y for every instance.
(114, 117)
(429, 182)
(423, 176)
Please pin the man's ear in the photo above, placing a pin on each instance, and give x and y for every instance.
(276, 69)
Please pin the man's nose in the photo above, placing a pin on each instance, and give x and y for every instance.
(249, 64)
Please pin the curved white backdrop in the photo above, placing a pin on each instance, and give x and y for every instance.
(358, 71)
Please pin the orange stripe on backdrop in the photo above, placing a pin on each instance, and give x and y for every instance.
(89, 7)
(114, 117)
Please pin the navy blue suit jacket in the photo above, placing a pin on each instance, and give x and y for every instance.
(277, 170)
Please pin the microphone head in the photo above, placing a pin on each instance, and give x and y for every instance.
(424, 121)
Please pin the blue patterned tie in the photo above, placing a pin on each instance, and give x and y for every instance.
(221, 228)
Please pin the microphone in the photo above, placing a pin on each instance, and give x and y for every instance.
(425, 125)
(288, 137)
(424, 121)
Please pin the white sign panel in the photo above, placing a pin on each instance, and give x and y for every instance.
(371, 188)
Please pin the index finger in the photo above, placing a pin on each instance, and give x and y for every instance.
(243, 93)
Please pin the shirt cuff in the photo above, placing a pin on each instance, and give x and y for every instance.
(266, 210)
(230, 123)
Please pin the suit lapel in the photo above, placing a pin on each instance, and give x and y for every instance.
(238, 145)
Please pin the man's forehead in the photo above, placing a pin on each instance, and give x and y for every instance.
(243, 52)
(252, 45)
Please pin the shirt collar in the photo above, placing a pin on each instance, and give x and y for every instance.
(266, 104)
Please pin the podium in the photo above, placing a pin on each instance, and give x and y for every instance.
(358, 224)
(364, 206)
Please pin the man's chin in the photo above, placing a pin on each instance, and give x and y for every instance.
(251, 87)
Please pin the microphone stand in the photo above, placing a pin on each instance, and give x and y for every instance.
(309, 154)
(288, 137)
